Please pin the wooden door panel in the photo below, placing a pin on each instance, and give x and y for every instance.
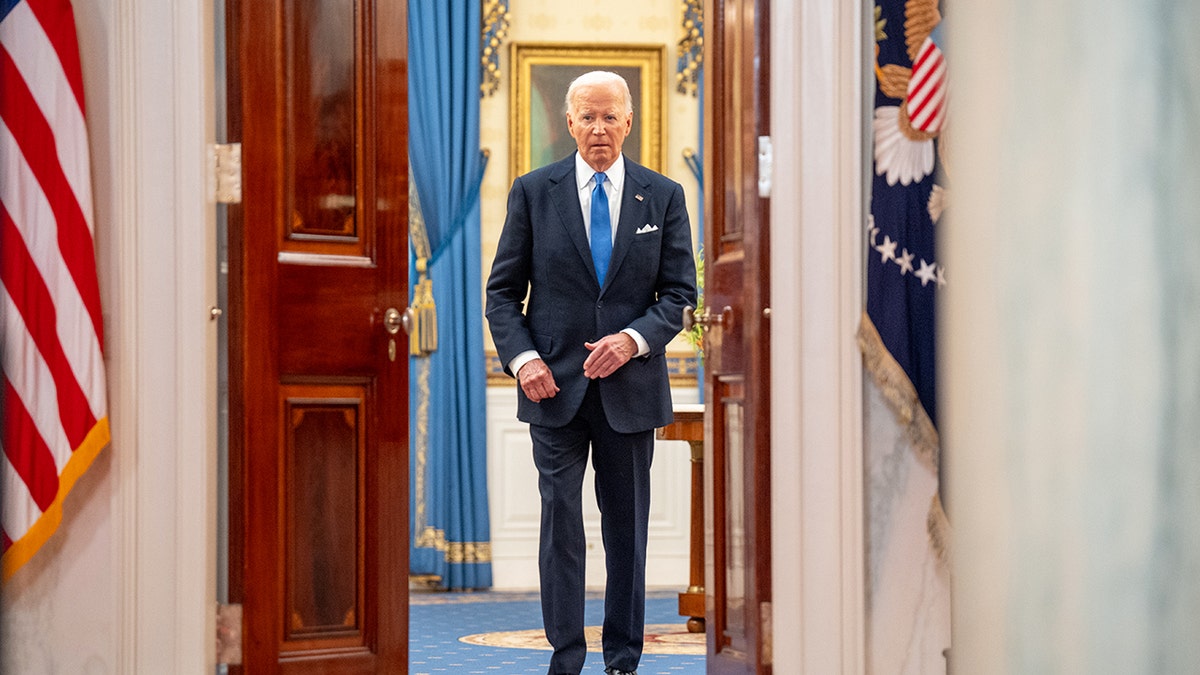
(737, 373)
(330, 296)
(322, 76)
(323, 494)
(319, 387)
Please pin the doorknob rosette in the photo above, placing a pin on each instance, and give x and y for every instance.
(394, 320)
(705, 319)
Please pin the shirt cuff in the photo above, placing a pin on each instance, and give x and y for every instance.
(521, 359)
(642, 345)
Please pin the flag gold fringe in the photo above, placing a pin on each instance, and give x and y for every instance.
(23, 549)
(901, 396)
(899, 392)
(938, 527)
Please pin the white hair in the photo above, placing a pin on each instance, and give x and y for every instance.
(600, 78)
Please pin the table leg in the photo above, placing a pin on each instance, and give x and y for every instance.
(691, 601)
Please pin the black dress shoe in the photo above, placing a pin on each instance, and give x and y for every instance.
(614, 671)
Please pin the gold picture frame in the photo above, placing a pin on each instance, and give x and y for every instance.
(537, 111)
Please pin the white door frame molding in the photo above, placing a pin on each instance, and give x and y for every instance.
(817, 211)
(161, 273)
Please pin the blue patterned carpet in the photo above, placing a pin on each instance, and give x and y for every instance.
(439, 622)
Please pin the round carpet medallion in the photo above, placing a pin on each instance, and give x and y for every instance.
(661, 638)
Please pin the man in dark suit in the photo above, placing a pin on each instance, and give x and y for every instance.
(602, 248)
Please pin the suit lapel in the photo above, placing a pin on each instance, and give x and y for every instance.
(565, 195)
(633, 214)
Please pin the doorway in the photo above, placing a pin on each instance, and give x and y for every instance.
(339, 243)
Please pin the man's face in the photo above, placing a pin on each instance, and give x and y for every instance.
(599, 124)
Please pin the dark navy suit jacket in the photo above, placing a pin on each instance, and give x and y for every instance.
(544, 250)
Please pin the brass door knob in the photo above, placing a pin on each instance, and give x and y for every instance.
(393, 320)
(705, 319)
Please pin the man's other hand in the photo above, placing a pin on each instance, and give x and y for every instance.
(537, 381)
(608, 353)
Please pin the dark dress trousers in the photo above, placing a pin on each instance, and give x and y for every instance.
(544, 252)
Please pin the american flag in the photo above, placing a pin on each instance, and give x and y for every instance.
(51, 338)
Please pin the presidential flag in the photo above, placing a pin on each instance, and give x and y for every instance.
(908, 593)
(903, 271)
(51, 338)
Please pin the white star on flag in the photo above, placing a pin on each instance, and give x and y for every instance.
(927, 273)
(887, 249)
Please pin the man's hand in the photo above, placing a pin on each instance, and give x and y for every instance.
(608, 353)
(537, 381)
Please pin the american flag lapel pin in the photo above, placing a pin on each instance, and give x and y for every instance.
(638, 197)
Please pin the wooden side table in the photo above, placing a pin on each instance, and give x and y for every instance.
(689, 426)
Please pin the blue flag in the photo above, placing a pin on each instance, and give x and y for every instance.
(903, 270)
(908, 565)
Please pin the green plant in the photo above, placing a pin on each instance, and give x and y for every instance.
(695, 334)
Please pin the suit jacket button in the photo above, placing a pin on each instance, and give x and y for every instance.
(599, 304)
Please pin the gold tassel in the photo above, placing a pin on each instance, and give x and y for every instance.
(427, 336)
(423, 339)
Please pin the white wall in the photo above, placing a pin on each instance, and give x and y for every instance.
(1072, 337)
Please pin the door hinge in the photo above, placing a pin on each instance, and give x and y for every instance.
(229, 634)
(226, 170)
(766, 165)
(768, 633)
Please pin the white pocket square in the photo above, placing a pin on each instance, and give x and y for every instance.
(646, 228)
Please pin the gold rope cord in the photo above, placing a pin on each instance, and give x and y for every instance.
(893, 80)
(920, 18)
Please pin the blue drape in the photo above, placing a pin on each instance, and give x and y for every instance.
(451, 537)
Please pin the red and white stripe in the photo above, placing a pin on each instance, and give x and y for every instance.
(51, 335)
(927, 89)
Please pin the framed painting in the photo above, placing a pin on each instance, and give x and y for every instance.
(541, 73)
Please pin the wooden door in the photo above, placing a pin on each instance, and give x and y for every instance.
(318, 372)
(737, 367)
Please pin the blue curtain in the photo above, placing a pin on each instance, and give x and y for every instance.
(451, 538)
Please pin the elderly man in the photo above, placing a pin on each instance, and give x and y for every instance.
(602, 248)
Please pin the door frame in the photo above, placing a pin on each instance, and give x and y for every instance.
(161, 630)
(155, 229)
(816, 403)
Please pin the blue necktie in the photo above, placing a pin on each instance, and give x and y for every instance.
(601, 228)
